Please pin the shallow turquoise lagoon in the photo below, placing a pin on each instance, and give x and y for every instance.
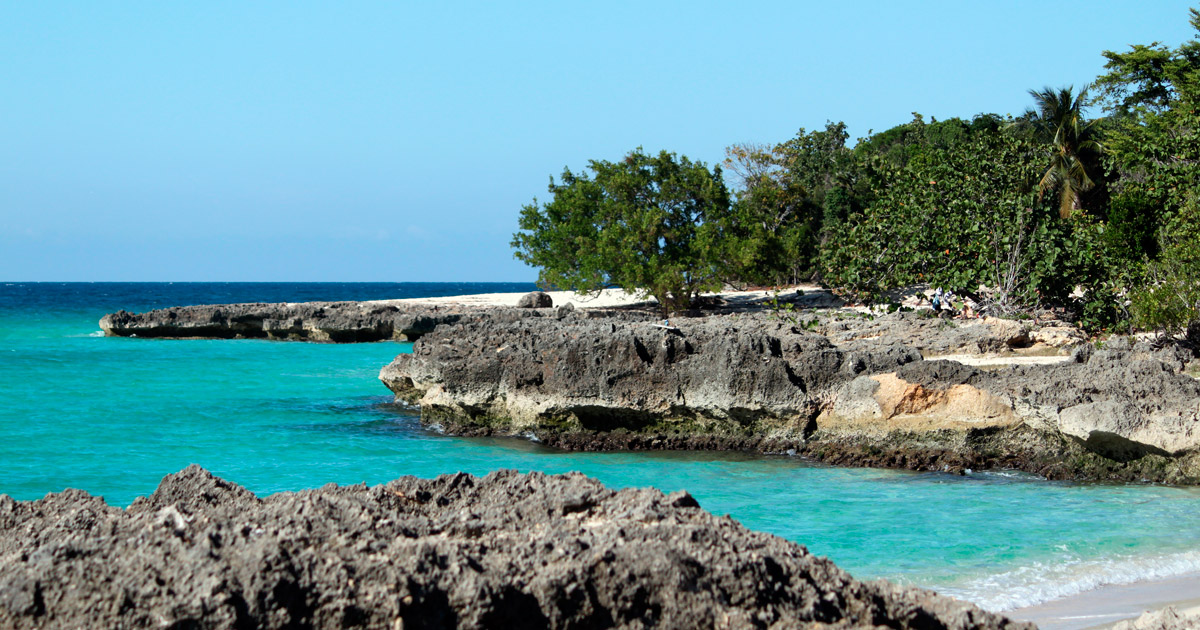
(113, 415)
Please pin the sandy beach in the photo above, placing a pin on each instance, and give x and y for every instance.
(607, 298)
(1108, 605)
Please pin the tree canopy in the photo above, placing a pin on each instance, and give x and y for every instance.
(646, 223)
(1093, 215)
(1058, 120)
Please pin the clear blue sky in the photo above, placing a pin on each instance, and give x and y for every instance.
(395, 141)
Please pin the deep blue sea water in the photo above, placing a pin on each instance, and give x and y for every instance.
(113, 415)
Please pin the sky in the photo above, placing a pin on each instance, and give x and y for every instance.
(398, 141)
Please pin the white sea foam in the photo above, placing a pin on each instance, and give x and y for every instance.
(1066, 576)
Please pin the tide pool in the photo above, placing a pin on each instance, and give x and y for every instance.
(113, 415)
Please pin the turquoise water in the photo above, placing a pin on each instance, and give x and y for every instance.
(113, 415)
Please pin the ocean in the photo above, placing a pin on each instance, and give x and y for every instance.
(112, 416)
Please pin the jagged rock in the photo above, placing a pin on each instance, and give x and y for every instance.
(932, 335)
(1121, 413)
(535, 299)
(1122, 408)
(340, 322)
(311, 321)
(708, 376)
(508, 550)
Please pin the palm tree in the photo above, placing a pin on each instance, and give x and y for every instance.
(1057, 119)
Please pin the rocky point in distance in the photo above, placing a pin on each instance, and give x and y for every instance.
(820, 381)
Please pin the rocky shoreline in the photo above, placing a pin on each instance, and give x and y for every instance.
(1125, 412)
(508, 550)
(835, 385)
(331, 322)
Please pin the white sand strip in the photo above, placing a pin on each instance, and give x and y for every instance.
(976, 360)
(1110, 604)
(608, 298)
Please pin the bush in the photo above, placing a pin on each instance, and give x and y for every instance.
(1169, 301)
(955, 216)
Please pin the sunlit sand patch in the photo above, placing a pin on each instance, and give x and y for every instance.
(997, 362)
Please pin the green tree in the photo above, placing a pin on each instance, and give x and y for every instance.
(787, 194)
(646, 223)
(1150, 79)
(958, 214)
(1169, 298)
(1152, 96)
(1058, 120)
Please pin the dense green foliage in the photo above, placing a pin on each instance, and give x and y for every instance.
(1152, 94)
(1095, 216)
(1170, 298)
(954, 215)
(787, 194)
(641, 223)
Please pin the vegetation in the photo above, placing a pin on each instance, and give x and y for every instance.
(648, 222)
(1169, 301)
(1058, 120)
(1096, 217)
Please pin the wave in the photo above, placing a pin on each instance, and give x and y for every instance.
(1067, 576)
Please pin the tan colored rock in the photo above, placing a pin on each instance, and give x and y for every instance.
(1168, 618)
(1058, 336)
(885, 402)
(1011, 332)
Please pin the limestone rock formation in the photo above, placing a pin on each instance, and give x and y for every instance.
(309, 321)
(709, 376)
(505, 551)
(341, 322)
(1121, 413)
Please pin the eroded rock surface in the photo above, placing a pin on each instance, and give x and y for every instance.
(505, 551)
(341, 322)
(712, 376)
(1122, 413)
(535, 299)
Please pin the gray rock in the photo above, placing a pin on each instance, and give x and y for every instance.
(708, 376)
(762, 383)
(535, 299)
(339, 322)
(505, 551)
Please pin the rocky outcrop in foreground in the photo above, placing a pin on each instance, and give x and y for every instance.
(1122, 413)
(340, 322)
(505, 551)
